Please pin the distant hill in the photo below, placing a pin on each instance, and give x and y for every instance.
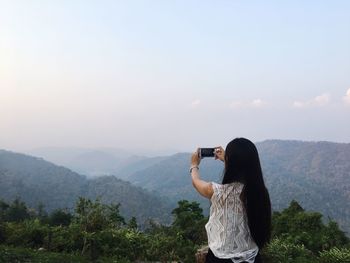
(317, 174)
(90, 162)
(96, 162)
(36, 181)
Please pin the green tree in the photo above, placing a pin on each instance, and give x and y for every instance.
(190, 220)
(91, 219)
(60, 217)
(3, 209)
(335, 255)
(333, 236)
(41, 212)
(114, 217)
(29, 233)
(133, 223)
(17, 211)
(188, 228)
(281, 251)
(299, 227)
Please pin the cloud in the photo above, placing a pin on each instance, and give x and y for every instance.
(256, 103)
(346, 98)
(318, 101)
(195, 103)
(299, 104)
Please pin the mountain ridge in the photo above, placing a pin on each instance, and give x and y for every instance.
(37, 181)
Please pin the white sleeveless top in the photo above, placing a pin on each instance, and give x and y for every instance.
(227, 228)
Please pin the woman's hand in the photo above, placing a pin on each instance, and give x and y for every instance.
(203, 187)
(195, 160)
(219, 153)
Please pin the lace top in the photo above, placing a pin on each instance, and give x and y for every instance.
(227, 228)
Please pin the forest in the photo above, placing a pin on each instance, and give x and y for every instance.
(98, 232)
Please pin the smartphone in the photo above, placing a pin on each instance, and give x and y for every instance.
(206, 152)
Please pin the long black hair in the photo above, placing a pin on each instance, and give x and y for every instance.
(242, 164)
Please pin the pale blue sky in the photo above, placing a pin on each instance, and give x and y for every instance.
(172, 74)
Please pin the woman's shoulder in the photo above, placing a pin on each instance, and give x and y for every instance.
(220, 191)
(228, 186)
(235, 183)
(235, 186)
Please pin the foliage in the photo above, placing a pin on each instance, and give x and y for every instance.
(12, 254)
(189, 221)
(133, 223)
(30, 233)
(280, 251)
(59, 217)
(335, 255)
(98, 232)
(299, 227)
(15, 212)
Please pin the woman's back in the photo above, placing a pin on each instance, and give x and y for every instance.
(227, 228)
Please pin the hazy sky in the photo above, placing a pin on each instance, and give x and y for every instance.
(172, 74)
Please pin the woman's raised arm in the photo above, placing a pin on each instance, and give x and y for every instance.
(203, 187)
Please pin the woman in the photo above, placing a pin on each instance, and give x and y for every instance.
(240, 213)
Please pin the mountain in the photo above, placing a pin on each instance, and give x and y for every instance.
(90, 162)
(96, 162)
(316, 174)
(37, 181)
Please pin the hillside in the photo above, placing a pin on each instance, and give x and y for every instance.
(96, 162)
(36, 181)
(317, 174)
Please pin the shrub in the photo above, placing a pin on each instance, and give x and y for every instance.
(29, 233)
(335, 255)
(10, 254)
(280, 251)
